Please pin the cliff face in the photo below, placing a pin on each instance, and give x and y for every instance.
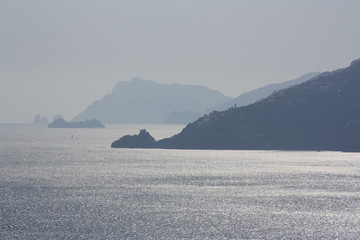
(320, 114)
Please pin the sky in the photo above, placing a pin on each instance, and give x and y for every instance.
(60, 56)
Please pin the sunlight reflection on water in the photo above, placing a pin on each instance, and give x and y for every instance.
(53, 187)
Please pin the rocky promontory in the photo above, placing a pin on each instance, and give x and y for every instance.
(142, 140)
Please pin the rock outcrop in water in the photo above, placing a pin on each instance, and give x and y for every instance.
(320, 114)
(142, 140)
(40, 120)
(61, 123)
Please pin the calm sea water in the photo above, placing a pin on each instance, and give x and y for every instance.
(69, 184)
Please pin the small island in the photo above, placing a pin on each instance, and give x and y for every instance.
(61, 123)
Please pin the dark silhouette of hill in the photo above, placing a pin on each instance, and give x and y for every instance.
(260, 93)
(320, 114)
(141, 101)
(187, 116)
(61, 123)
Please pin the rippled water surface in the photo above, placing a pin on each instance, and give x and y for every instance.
(69, 184)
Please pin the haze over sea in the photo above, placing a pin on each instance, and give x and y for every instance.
(69, 184)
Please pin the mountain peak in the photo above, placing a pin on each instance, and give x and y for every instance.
(143, 101)
(137, 79)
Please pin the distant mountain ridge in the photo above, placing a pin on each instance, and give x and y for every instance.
(260, 93)
(320, 114)
(142, 101)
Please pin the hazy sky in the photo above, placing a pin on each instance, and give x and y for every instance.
(57, 56)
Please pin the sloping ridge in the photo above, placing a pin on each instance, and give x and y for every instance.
(260, 93)
(320, 114)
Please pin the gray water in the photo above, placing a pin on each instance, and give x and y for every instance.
(69, 184)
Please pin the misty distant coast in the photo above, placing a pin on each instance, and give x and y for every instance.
(61, 123)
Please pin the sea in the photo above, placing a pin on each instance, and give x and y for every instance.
(70, 184)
